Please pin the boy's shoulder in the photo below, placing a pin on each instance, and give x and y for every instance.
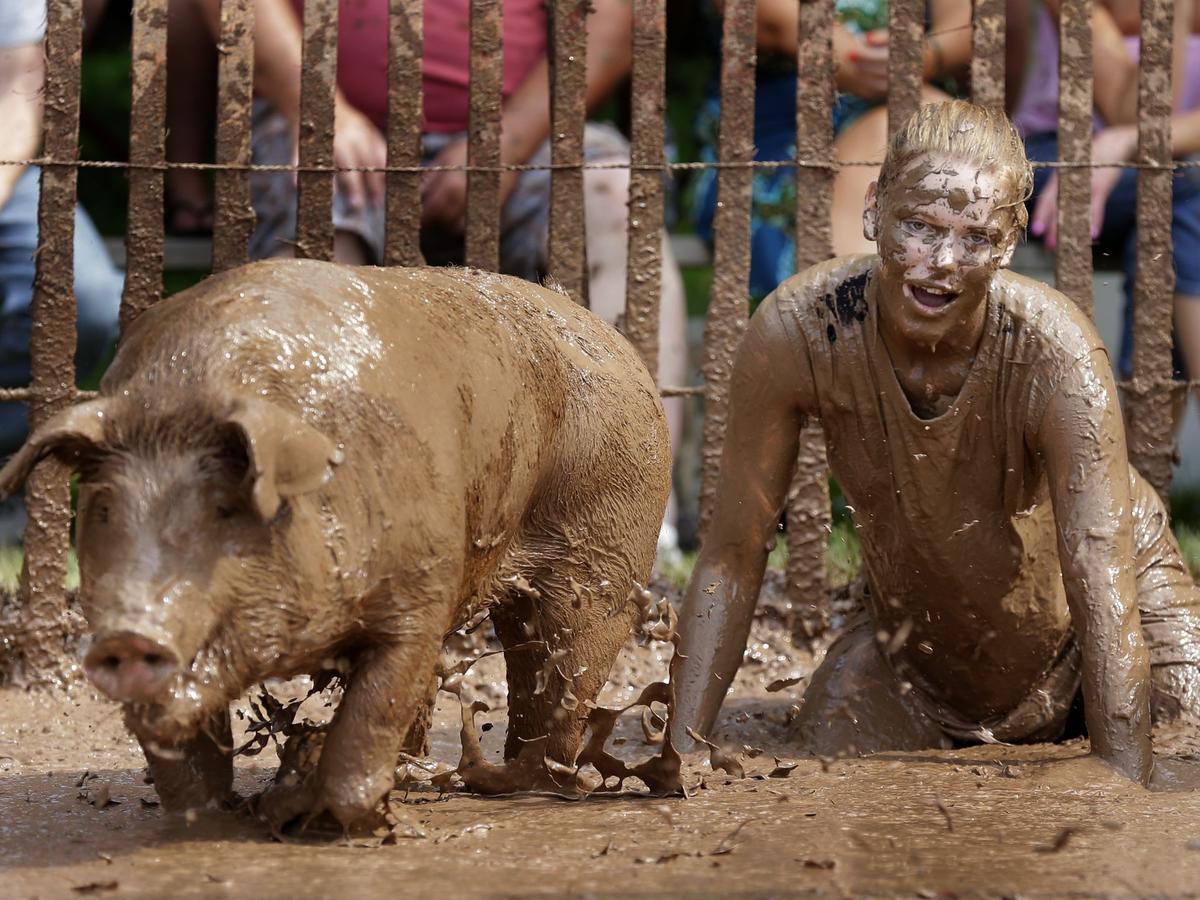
(1042, 320)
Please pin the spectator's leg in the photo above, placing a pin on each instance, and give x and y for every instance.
(191, 114)
(1185, 234)
(98, 285)
(18, 244)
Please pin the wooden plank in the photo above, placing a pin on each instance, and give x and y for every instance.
(1073, 258)
(402, 240)
(906, 36)
(483, 143)
(988, 53)
(35, 654)
(235, 90)
(1151, 426)
(808, 514)
(147, 153)
(728, 300)
(643, 274)
(318, 89)
(567, 256)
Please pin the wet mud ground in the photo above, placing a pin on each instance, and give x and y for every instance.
(78, 819)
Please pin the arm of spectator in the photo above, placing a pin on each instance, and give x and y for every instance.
(948, 44)
(1116, 144)
(22, 70)
(278, 38)
(525, 119)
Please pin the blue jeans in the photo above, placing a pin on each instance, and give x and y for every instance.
(1119, 233)
(98, 286)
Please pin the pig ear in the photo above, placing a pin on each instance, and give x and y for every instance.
(77, 428)
(287, 456)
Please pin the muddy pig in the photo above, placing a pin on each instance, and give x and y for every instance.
(297, 462)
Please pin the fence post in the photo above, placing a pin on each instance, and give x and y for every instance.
(483, 145)
(235, 89)
(643, 273)
(1073, 259)
(567, 256)
(33, 649)
(987, 52)
(906, 40)
(808, 514)
(727, 305)
(402, 229)
(318, 88)
(147, 148)
(1151, 429)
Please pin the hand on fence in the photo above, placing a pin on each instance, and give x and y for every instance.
(356, 143)
(444, 194)
(861, 63)
(1113, 145)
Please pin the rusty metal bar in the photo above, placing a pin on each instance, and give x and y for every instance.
(987, 53)
(906, 36)
(402, 238)
(318, 89)
(235, 89)
(37, 640)
(567, 256)
(808, 514)
(728, 300)
(1151, 430)
(483, 144)
(147, 147)
(643, 274)
(1073, 259)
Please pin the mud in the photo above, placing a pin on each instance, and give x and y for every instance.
(76, 816)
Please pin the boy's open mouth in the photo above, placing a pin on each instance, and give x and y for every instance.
(932, 298)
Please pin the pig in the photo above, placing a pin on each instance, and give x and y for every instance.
(295, 463)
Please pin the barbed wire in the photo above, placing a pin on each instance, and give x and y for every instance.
(698, 165)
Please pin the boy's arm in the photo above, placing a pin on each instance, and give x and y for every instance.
(771, 391)
(1082, 440)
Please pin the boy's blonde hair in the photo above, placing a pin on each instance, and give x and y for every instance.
(980, 135)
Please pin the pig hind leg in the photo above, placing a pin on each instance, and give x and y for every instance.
(557, 659)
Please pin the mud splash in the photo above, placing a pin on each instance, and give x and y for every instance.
(1037, 819)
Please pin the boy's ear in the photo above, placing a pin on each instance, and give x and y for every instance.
(871, 212)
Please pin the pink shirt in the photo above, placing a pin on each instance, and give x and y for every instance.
(362, 55)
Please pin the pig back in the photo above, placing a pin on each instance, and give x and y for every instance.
(449, 389)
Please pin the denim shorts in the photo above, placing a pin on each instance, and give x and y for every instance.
(524, 221)
(1119, 234)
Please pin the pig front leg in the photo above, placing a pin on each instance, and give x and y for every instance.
(191, 773)
(358, 760)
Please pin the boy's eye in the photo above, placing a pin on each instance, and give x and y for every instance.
(916, 225)
(977, 240)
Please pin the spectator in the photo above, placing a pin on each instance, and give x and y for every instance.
(97, 282)
(860, 52)
(1115, 29)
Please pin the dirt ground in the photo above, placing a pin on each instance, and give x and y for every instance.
(77, 818)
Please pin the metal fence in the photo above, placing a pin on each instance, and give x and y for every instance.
(1148, 394)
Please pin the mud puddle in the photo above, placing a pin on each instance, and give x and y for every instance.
(77, 819)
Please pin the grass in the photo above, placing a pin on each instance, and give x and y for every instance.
(11, 559)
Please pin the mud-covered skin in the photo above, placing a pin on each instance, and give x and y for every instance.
(297, 465)
(983, 575)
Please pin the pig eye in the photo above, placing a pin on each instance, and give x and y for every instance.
(226, 512)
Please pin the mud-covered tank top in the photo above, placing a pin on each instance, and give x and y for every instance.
(956, 505)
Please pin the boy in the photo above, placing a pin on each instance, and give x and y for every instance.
(972, 422)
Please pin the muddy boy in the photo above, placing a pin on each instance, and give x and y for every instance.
(1012, 555)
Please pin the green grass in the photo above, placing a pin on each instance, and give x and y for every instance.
(11, 559)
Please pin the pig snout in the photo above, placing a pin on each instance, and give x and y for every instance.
(130, 667)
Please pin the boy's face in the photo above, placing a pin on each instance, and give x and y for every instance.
(942, 232)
